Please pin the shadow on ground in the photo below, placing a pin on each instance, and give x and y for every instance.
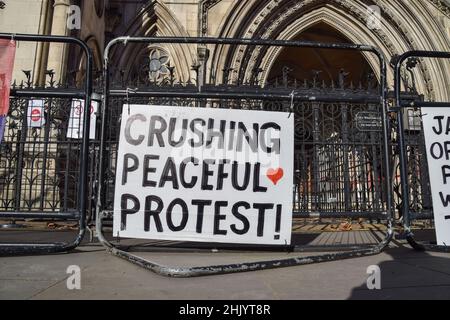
(410, 275)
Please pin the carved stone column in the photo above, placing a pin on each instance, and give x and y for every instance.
(203, 55)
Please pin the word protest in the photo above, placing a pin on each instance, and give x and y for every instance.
(436, 125)
(204, 174)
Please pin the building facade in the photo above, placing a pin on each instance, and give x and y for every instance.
(340, 176)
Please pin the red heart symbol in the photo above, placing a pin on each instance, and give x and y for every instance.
(275, 175)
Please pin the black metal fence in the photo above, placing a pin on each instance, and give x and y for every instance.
(341, 146)
(339, 165)
(43, 172)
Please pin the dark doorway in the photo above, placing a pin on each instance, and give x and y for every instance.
(326, 65)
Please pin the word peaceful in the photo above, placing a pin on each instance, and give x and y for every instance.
(204, 174)
(436, 124)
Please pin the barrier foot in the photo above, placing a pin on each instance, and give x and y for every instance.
(188, 272)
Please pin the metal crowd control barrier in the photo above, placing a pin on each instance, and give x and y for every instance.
(407, 214)
(106, 152)
(79, 213)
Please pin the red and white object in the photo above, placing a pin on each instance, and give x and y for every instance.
(36, 116)
(7, 54)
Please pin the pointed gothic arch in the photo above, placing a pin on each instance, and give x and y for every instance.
(335, 20)
(401, 30)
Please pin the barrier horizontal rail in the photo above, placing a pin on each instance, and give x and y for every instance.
(368, 215)
(210, 94)
(48, 93)
(43, 215)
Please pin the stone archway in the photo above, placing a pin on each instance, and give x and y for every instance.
(341, 28)
(401, 30)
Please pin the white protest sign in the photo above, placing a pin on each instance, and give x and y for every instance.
(436, 126)
(204, 174)
(35, 115)
(75, 129)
